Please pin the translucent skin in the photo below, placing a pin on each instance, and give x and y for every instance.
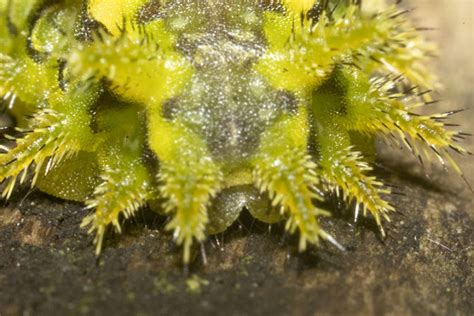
(202, 108)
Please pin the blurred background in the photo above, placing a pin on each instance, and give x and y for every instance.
(453, 25)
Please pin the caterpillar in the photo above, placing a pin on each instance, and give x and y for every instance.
(199, 109)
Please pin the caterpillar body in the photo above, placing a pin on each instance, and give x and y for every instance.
(199, 109)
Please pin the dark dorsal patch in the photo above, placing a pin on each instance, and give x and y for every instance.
(150, 11)
(227, 102)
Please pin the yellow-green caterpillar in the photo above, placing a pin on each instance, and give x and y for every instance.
(201, 108)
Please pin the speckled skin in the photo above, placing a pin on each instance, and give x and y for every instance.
(219, 101)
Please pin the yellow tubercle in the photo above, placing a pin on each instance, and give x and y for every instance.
(299, 6)
(111, 13)
(147, 72)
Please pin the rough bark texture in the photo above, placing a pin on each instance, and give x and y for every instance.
(424, 266)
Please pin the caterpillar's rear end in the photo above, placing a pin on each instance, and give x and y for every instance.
(202, 108)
